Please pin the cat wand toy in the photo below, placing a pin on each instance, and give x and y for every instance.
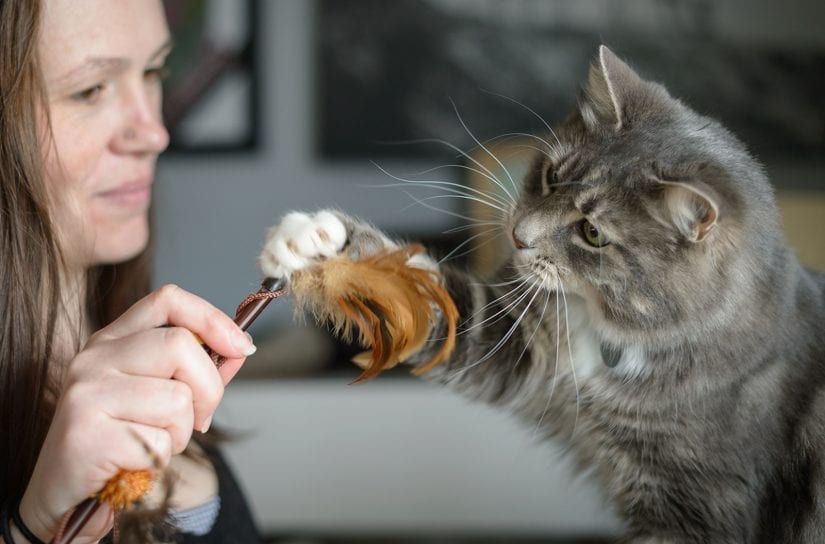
(128, 486)
(387, 304)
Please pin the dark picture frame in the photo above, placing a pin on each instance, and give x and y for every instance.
(211, 93)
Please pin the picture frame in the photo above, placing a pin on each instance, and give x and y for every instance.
(211, 92)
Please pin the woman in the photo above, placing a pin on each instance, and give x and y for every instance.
(80, 130)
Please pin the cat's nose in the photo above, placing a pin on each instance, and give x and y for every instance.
(517, 241)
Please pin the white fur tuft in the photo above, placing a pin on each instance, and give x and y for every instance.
(299, 240)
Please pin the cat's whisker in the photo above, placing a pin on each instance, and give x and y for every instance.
(491, 154)
(531, 110)
(570, 354)
(454, 253)
(462, 228)
(503, 311)
(513, 328)
(476, 171)
(491, 201)
(517, 150)
(469, 157)
(451, 213)
(517, 279)
(462, 197)
(451, 187)
(536, 328)
(545, 152)
(462, 187)
(558, 353)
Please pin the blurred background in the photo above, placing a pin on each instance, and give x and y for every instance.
(278, 105)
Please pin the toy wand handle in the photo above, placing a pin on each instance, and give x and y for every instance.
(251, 308)
(246, 313)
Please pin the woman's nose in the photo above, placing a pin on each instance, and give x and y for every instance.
(143, 130)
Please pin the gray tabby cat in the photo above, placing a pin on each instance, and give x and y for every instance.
(659, 323)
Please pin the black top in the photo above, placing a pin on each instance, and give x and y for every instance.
(234, 524)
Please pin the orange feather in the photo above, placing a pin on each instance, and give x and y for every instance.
(388, 303)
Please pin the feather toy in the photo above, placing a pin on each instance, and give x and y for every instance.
(389, 305)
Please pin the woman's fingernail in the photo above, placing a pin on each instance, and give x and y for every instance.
(207, 423)
(253, 347)
(244, 343)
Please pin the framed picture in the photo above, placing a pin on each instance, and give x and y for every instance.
(211, 92)
(394, 73)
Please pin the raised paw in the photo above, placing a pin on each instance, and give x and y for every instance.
(301, 240)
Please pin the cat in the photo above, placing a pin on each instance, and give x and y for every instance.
(651, 316)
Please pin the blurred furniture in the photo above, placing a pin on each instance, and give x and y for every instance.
(398, 456)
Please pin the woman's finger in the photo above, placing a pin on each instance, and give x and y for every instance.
(165, 405)
(171, 305)
(229, 369)
(164, 353)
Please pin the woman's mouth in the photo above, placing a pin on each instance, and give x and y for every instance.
(129, 195)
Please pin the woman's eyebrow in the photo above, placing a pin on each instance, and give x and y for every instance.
(163, 50)
(94, 65)
(109, 65)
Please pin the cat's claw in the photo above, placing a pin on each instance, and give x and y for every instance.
(301, 240)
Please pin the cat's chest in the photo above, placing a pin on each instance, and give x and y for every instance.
(597, 362)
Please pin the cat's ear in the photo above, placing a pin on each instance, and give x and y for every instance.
(693, 209)
(609, 82)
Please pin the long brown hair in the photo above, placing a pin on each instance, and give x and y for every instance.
(30, 258)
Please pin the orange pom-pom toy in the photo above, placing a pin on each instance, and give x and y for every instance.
(125, 488)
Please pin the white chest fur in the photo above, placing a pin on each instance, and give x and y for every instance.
(590, 358)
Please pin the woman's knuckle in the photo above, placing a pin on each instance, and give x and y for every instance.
(180, 435)
(163, 295)
(177, 340)
(180, 397)
(213, 396)
(162, 448)
(76, 395)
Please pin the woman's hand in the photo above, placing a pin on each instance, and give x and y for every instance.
(145, 380)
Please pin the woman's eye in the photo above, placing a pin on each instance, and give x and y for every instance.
(158, 73)
(89, 95)
(592, 235)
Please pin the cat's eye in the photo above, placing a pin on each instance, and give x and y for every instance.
(548, 179)
(592, 235)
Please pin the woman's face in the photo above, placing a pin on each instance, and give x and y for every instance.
(102, 63)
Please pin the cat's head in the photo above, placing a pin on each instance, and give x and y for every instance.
(651, 212)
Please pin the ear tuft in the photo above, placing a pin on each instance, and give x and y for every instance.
(691, 208)
(609, 81)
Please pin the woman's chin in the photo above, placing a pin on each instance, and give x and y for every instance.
(118, 249)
